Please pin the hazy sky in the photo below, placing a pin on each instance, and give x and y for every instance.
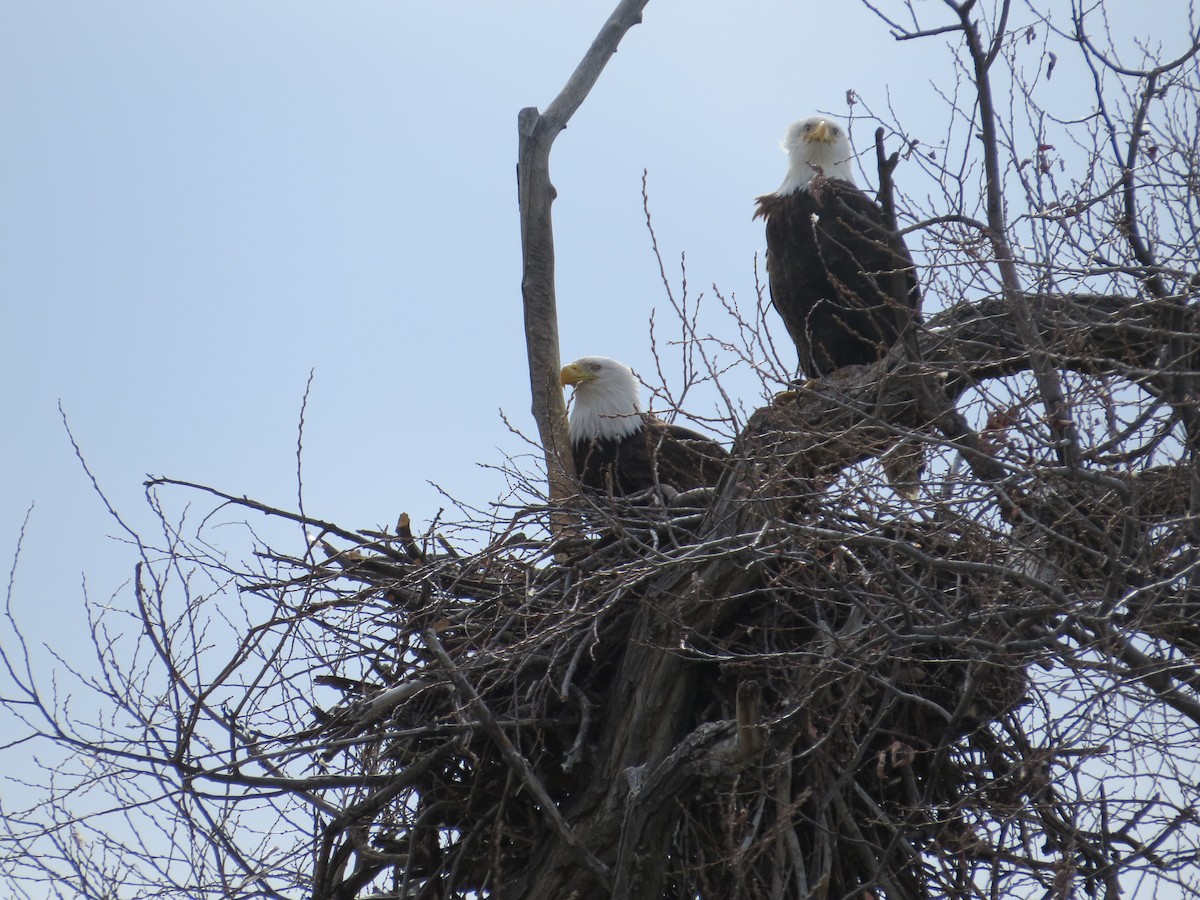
(200, 202)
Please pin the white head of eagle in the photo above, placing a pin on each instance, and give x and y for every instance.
(607, 406)
(816, 145)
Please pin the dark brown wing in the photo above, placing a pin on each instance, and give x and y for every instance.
(843, 283)
(658, 454)
(685, 459)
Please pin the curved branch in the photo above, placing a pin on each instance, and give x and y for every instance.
(839, 421)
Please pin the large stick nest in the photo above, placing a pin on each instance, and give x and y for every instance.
(749, 683)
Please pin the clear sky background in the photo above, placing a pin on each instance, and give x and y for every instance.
(200, 202)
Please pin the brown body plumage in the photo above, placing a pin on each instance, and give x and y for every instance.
(657, 454)
(620, 449)
(843, 284)
(842, 281)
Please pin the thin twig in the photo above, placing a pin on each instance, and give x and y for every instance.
(515, 760)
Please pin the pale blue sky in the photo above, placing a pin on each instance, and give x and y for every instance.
(202, 201)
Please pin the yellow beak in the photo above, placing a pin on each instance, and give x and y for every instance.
(573, 374)
(821, 133)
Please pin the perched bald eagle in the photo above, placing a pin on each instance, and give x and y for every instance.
(622, 450)
(840, 278)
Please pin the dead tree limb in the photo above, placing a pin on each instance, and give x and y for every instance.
(536, 134)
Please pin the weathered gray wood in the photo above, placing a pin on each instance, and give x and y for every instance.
(536, 193)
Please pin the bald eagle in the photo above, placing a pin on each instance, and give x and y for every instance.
(622, 450)
(841, 279)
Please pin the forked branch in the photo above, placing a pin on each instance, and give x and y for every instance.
(536, 193)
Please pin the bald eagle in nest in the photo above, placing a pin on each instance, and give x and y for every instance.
(842, 280)
(621, 450)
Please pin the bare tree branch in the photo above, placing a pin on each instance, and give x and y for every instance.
(537, 132)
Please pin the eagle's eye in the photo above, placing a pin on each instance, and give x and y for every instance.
(596, 367)
(808, 126)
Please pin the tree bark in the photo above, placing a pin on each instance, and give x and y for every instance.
(536, 134)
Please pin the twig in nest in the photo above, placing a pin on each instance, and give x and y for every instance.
(585, 721)
(404, 532)
(749, 717)
(515, 760)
